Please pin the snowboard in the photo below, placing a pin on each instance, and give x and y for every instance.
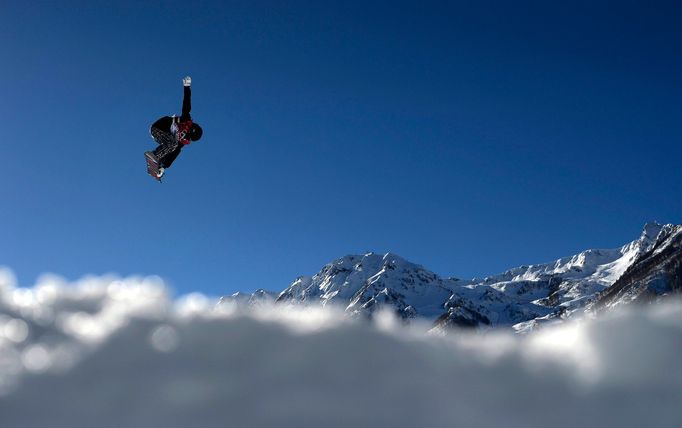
(152, 166)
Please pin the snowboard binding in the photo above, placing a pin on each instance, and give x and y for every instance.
(155, 170)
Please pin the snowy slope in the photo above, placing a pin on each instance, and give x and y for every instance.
(655, 274)
(120, 352)
(561, 287)
(571, 280)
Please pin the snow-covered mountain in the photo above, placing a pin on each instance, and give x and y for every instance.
(522, 297)
(363, 284)
(256, 298)
(655, 274)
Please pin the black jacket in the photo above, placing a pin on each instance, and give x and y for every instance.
(169, 148)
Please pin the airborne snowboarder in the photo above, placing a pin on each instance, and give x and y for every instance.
(172, 133)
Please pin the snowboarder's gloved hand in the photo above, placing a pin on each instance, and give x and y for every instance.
(187, 81)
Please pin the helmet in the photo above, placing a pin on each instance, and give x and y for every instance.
(195, 132)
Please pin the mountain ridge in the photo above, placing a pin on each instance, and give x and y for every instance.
(522, 298)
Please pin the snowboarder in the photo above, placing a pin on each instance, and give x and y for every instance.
(172, 133)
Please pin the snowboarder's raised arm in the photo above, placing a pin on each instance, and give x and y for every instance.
(186, 99)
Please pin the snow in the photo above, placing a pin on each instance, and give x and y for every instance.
(108, 351)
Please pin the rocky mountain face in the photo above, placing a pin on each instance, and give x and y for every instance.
(654, 275)
(522, 298)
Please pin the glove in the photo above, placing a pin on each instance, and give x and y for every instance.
(187, 81)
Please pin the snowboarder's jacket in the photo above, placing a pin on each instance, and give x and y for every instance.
(172, 132)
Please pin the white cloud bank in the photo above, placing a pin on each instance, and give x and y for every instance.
(112, 352)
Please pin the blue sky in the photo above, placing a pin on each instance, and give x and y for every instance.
(469, 138)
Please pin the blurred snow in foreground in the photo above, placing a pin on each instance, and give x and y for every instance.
(114, 352)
